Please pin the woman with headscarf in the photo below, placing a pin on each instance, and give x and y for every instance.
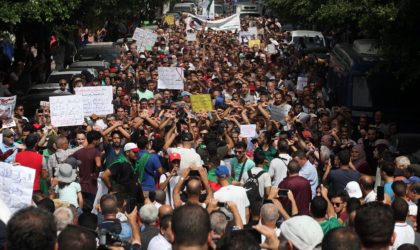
(358, 159)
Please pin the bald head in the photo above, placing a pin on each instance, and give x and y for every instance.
(367, 183)
(61, 142)
(269, 214)
(194, 187)
(160, 196)
(165, 210)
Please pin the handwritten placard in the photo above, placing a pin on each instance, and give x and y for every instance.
(7, 109)
(171, 78)
(248, 131)
(279, 112)
(44, 104)
(16, 185)
(201, 103)
(66, 110)
(144, 39)
(191, 36)
(169, 20)
(254, 43)
(302, 81)
(96, 100)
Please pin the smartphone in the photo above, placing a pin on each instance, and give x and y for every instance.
(380, 193)
(283, 192)
(194, 173)
(221, 204)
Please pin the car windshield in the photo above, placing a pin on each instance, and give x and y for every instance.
(182, 9)
(97, 54)
(41, 91)
(310, 42)
(57, 78)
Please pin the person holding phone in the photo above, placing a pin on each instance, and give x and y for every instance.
(168, 180)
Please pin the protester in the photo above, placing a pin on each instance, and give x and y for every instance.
(164, 147)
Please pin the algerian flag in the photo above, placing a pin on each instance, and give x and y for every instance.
(208, 9)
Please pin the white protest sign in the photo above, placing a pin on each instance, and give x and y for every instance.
(279, 112)
(16, 186)
(191, 36)
(96, 100)
(302, 81)
(171, 78)
(248, 131)
(66, 110)
(144, 38)
(7, 109)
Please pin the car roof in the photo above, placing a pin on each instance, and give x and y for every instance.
(46, 86)
(66, 72)
(309, 33)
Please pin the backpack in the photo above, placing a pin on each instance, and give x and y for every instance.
(252, 186)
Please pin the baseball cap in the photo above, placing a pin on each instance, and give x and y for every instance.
(187, 136)
(7, 133)
(131, 146)
(185, 93)
(174, 156)
(222, 171)
(307, 134)
(353, 189)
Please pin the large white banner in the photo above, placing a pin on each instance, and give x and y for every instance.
(229, 23)
(171, 78)
(96, 100)
(66, 110)
(144, 39)
(16, 186)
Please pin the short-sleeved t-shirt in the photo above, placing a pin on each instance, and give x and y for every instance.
(111, 156)
(237, 167)
(329, 224)
(340, 177)
(69, 193)
(152, 165)
(170, 187)
(263, 181)
(87, 169)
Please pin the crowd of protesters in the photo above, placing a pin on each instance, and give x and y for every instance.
(156, 175)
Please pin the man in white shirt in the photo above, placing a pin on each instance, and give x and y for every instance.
(232, 193)
(188, 154)
(367, 184)
(307, 170)
(403, 232)
(264, 180)
(278, 166)
(168, 180)
(163, 241)
(269, 216)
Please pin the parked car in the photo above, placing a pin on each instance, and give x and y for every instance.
(36, 94)
(106, 51)
(185, 7)
(96, 65)
(68, 74)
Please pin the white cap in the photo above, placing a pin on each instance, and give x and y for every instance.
(353, 189)
(131, 146)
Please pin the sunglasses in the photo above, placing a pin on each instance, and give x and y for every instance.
(336, 204)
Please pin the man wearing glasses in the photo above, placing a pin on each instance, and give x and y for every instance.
(63, 87)
(8, 146)
(240, 164)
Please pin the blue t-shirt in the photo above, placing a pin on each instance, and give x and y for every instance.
(388, 190)
(152, 165)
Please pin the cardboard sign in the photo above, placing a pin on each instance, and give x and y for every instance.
(7, 110)
(144, 38)
(66, 110)
(248, 131)
(171, 78)
(253, 43)
(16, 186)
(169, 20)
(201, 103)
(96, 100)
(302, 81)
(191, 36)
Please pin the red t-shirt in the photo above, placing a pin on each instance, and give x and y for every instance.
(33, 160)
(301, 189)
